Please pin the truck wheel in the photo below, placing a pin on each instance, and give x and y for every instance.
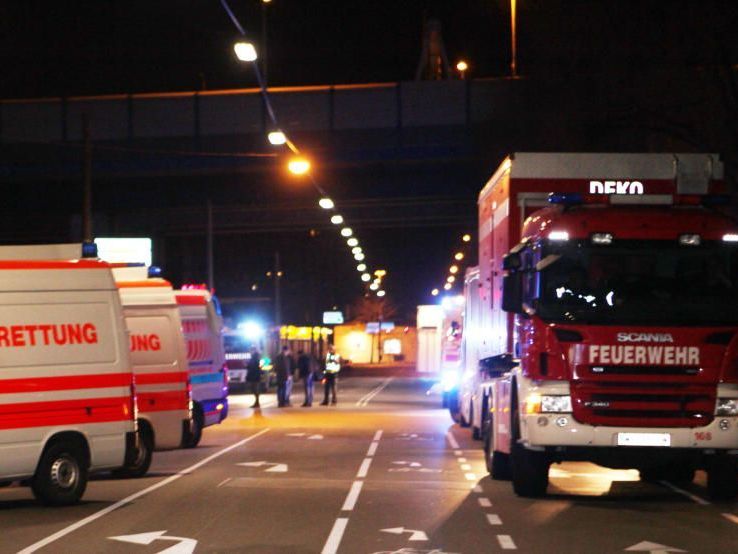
(452, 403)
(529, 471)
(498, 463)
(61, 475)
(477, 431)
(192, 439)
(463, 422)
(144, 453)
(722, 479)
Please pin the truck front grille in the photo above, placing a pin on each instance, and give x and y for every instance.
(643, 405)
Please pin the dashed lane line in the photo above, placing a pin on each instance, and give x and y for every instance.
(470, 476)
(458, 453)
(452, 440)
(493, 519)
(688, 494)
(372, 449)
(377, 435)
(477, 489)
(484, 502)
(466, 467)
(334, 539)
(364, 468)
(128, 499)
(352, 496)
(731, 517)
(506, 542)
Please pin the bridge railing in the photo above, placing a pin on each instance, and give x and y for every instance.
(239, 112)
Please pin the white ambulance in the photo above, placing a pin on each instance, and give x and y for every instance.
(66, 386)
(202, 326)
(159, 359)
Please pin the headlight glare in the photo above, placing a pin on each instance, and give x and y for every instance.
(727, 407)
(556, 403)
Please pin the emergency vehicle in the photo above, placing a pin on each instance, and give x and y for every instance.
(159, 360)
(66, 386)
(616, 299)
(202, 326)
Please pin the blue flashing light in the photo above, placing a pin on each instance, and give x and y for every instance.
(154, 271)
(89, 250)
(565, 198)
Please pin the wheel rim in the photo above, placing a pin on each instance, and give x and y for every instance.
(65, 472)
(140, 453)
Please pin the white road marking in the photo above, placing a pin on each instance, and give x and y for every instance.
(731, 517)
(377, 435)
(128, 499)
(470, 476)
(484, 502)
(364, 400)
(352, 496)
(461, 460)
(223, 482)
(689, 495)
(477, 489)
(466, 467)
(494, 519)
(452, 441)
(506, 542)
(372, 449)
(653, 548)
(334, 539)
(415, 534)
(184, 545)
(364, 468)
(458, 453)
(276, 467)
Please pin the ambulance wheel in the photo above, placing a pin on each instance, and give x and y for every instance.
(192, 439)
(722, 478)
(144, 454)
(61, 475)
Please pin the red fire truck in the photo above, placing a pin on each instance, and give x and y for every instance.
(609, 286)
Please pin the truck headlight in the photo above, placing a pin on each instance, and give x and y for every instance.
(727, 407)
(556, 403)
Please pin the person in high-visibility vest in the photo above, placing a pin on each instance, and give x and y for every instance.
(330, 375)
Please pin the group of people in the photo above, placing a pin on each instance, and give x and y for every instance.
(308, 371)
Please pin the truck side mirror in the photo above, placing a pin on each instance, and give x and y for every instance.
(511, 261)
(512, 293)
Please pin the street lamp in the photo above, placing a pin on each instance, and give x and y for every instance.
(353, 241)
(361, 267)
(453, 269)
(346, 232)
(365, 277)
(466, 238)
(380, 293)
(359, 257)
(461, 67)
(459, 256)
(337, 219)
(447, 286)
(245, 51)
(326, 203)
(356, 250)
(277, 138)
(298, 166)
(434, 292)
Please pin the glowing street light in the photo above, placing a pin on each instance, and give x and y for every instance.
(326, 203)
(461, 67)
(453, 269)
(459, 256)
(346, 232)
(245, 51)
(365, 277)
(447, 286)
(374, 286)
(466, 238)
(298, 166)
(451, 279)
(361, 267)
(353, 241)
(356, 250)
(359, 257)
(337, 219)
(380, 273)
(434, 292)
(277, 138)
(380, 293)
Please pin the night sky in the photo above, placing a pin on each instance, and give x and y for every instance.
(615, 47)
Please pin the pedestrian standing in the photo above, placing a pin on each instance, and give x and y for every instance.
(283, 369)
(253, 375)
(305, 372)
(330, 376)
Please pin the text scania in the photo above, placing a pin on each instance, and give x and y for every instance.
(46, 334)
(615, 187)
(651, 355)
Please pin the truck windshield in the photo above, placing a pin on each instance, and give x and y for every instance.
(639, 283)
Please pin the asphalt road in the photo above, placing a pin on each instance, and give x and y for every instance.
(385, 471)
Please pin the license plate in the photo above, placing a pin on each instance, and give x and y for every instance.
(644, 439)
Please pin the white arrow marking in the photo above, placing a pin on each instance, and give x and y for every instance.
(315, 438)
(415, 535)
(184, 545)
(295, 434)
(278, 468)
(404, 463)
(653, 548)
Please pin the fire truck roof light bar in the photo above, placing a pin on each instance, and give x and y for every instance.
(730, 237)
(565, 198)
(602, 238)
(558, 235)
